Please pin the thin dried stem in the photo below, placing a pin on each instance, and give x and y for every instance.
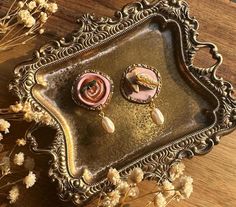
(11, 183)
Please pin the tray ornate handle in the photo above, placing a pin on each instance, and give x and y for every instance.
(97, 31)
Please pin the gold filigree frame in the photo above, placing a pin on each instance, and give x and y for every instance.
(96, 31)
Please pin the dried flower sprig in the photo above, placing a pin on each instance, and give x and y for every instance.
(10, 162)
(23, 21)
(28, 114)
(126, 190)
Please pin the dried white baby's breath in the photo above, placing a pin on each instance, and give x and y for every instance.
(52, 7)
(123, 187)
(21, 142)
(4, 126)
(30, 180)
(136, 175)
(24, 17)
(19, 159)
(113, 176)
(184, 187)
(20, 4)
(115, 197)
(43, 17)
(168, 188)
(159, 200)
(32, 5)
(16, 108)
(177, 170)
(13, 194)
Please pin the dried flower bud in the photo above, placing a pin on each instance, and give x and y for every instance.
(19, 159)
(21, 142)
(4, 126)
(13, 194)
(30, 180)
(159, 200)
(31, 5)
(136, 175)
(113, 176)
(41, 31)
(20, 4)
(43, 17)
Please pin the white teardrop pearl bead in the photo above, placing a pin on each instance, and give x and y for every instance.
(157, 116)
(108, 125)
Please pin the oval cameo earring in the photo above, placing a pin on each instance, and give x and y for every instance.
(93, 90)
(142, 84)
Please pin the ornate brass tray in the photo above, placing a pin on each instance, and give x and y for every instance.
(198, 106)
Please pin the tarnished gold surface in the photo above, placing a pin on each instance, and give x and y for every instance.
(197, 105)
(135, 131)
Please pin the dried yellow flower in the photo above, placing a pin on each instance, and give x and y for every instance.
(21, 142)
(13, 194)
(4, 126)
(136, 175)
(159, 200)
(30, 179)
(43, 17)
(176, 170)
(19, 159)
(52, 7)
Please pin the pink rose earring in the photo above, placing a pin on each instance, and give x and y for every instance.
(142, 84)
(93, 90)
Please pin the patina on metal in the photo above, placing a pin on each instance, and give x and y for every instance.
(161, 34)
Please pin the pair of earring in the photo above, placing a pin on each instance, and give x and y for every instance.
(139, 84)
